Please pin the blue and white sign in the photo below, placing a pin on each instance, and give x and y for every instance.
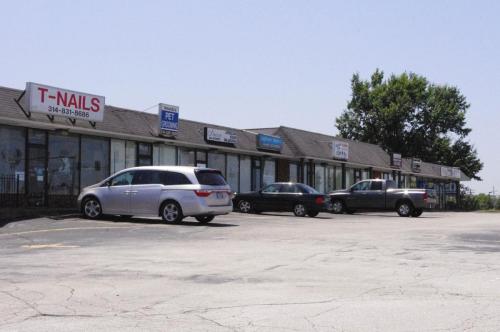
(340, 150)
(269, 142)
(169, 119)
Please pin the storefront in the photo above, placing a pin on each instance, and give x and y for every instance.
(46, 159)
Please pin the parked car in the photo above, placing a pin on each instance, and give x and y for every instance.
(379, 195)
(298, 198)
(172, 192)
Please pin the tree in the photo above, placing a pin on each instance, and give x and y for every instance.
(406, 114)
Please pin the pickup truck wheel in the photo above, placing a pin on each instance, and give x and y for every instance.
(338, 207)
(417, 213)
(404, 209)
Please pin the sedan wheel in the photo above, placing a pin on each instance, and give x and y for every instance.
(171, 212)
(337, 207)
(92, 208)
(299, 210)
(245, 206)
(404, 209)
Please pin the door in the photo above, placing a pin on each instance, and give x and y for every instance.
(145, 193)
(37, 172)
(290, 194)
(270, 198)
(358, 198)
(115, 197)
(375, 199)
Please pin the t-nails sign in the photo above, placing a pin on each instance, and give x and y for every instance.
(60, 102)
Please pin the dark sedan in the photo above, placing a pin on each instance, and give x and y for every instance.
(298, 198)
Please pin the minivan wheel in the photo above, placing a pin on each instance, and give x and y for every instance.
(299, 210)
(245, 206)
(91, 208)
(204, 219)
(404, 209)
(171, 212)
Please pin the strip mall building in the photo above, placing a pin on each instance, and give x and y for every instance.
(53, 142)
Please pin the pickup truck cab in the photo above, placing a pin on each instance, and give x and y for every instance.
(377, 194)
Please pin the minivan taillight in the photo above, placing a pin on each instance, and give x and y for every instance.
(426, 196)
(202, 193)
(320, 200)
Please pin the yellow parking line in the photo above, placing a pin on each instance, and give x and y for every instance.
(64, 229)
(51, 245)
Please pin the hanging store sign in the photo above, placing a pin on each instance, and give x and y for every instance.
(169, 119)
(340, 150)
(416, 164)
(396, 160)
(451, 172)
(67, 103)
(220, 136)
(268, 142)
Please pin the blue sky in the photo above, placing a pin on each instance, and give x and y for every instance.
(258, 63)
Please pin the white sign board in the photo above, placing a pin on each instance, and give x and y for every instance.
(451, 172)
(340, 150)
(396, 160)
(60, 102)
(220, 135)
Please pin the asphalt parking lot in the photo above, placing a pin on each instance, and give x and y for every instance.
(365, 272)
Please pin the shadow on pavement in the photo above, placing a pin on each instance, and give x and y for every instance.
(151, 221)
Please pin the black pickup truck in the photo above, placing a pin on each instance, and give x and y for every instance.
(379, 195)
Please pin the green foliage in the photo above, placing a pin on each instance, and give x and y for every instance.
(497, 205)
(485, 202)
(409, 115)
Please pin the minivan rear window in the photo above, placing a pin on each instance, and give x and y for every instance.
(210, 178)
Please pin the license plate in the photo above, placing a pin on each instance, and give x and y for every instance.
(219, 195)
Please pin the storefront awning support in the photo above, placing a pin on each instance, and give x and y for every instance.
(28, 114)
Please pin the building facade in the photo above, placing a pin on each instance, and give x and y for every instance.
(46, 160)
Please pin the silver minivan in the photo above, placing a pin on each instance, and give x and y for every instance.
(172, 192)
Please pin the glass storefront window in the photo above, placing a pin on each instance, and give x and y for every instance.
(256, 174)
(95, 160)
(233, 172)
(330, 179)
(307, 172)
(338, 178)
(186, 157)
(130, 154)
(217, 161)
(245, 174)
(294, 169)
(164, 155)
(349, 177)
(144, 153)
(269, 174)
(319, 178)
(413, 182)
(365, 174)
(12, 159)
(63, 165)
(117, 155)
(201, 158)
(36, 136)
